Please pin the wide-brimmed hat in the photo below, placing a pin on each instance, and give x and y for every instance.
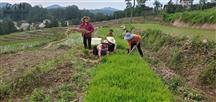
(128, 36)
(85, 17)
(111, 40)
(123, 27)
(105, 42)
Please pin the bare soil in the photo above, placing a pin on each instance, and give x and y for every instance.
(13, 65)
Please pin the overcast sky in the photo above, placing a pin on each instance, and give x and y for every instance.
(87, 4)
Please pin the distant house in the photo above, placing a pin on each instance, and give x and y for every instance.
(67, 23)
(186, 3)
(213, 1)
(46, 21)
(42, 25)
(24, 26)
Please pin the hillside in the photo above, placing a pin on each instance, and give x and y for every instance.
(3, 5)
(54, 7)
(106, 10)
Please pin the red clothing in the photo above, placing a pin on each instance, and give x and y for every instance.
(135, 39)
(87, 26)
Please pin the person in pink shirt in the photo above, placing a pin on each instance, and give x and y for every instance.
(87, 35)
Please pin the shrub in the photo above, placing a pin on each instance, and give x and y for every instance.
(66, 93)
(7, 27)
(174, 84)
(175, 58)
(194, 17)
(85, 51)
(39, 95)
(155, 39)
(208, 76)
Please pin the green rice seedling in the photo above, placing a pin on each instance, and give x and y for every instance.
(123, 78)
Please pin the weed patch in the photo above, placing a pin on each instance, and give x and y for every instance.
(208, 76)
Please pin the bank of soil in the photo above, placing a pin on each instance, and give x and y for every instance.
(184, 58)
(179, 23)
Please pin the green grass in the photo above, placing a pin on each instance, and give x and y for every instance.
(24, 45)
(9, 43)
(180, 32)
(124, 78)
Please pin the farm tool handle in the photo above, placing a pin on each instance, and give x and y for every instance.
(134, 48)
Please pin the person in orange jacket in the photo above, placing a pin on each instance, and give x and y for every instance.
(134, 40)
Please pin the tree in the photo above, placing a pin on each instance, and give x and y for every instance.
(7, 26)
(170, 7)
(202, 4)
(53, 23)
(157, 5)
(191, 1)
(58, 13)
(132, 7)
(37, 14)
(100, 17)
(72, 12)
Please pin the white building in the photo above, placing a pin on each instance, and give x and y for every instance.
(24, 26)
(186, 3)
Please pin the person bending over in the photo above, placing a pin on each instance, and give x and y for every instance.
(111, 44)
(134, 40)
(101, 49)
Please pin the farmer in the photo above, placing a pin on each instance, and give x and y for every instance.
(87, 35)
(111, 44)
(134, 40)
(101, 49)
(110, 33)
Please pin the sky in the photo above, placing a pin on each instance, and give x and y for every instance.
(84, 4)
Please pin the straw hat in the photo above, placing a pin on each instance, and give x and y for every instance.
(85, 17)
(105, 42)
(111, 40)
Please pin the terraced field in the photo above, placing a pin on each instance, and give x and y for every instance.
(46, 66)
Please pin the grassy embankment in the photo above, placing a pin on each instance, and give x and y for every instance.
(179, 32)
(121, 78)
(192, 59)
(194, 17)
